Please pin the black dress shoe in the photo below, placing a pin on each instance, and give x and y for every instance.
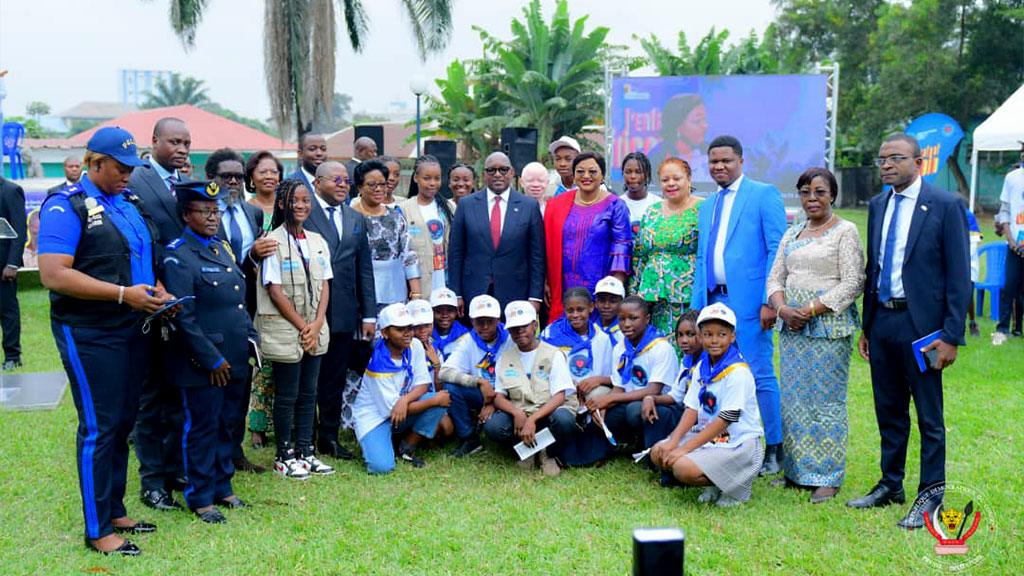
(125, 549)
(159, 500)
(878, 496)
(771, 465)
(139, 528)
(235, 502)
(212, 516)
(177, 484)
(10, 365)
(243, 464)
(333, 449)
(914, 519)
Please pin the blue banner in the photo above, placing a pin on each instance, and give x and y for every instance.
(938, 135)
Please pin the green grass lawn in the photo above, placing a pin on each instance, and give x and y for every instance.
(483, 516)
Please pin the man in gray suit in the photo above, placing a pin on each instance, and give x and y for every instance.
(161, 418)
(72, 174)
(352, 307)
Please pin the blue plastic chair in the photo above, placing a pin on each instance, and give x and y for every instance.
(994, 255)
(12, 133)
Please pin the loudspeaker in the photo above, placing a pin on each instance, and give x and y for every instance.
(374, 131)
(520, 145)
(444, 151)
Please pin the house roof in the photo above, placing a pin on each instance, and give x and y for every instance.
(209, 131)
(97, 110)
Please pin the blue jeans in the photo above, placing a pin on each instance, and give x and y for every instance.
(376, 444)
(463, 400)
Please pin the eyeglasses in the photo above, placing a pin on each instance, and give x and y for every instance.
(492, 170)
(206, 214)
(338, 180)
(375, 186)
(229, 176)
(894, 160)
(819, 194)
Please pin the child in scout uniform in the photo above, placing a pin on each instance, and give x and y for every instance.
(644, 363)
(718, 441)
(588, 348)
(468, 373)
(533, 390)
(661, 413)
(608, 295)
(394, 398)
(447, 331)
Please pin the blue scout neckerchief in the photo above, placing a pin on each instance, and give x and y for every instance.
(457, 331)
(685, 371)
(562, 335)
(651, 337)
(383, 365)
(707, 374)
(490, 359)
(611, 329)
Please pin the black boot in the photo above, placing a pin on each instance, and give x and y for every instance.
(772, 456)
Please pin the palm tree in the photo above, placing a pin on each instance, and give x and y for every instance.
(299, 45)
(177, 91)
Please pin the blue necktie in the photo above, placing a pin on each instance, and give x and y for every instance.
(172, 181)
(331, 210)
(235, 230)
(885, 283)
(709, 256)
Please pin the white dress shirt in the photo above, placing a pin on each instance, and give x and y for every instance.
(336, 220)
(907, 207)
(491, 196)
(311, 178)
(723, 228)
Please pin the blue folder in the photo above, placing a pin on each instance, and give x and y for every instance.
(923, 343)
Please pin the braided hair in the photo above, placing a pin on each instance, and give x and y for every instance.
(283, 215)
(642, 161)
(439, 199)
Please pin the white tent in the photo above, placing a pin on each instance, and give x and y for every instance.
(1003, 130)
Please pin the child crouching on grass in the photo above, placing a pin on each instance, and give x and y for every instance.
(718, 442)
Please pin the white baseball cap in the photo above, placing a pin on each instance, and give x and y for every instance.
(421, 312)
(564, 142)
(484, 306)
(717, 311)
(519, 313)
(610, 285)
(396, 315)
(443, 297)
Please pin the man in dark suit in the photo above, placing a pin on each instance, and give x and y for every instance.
(352, 307)
(161, 418)
(918, 282)
(312, 153)
(12, 207)
(241, 227)
(497, 241)
(364, 148)
(72, 174)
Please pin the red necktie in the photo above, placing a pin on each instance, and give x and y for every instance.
(496, 221)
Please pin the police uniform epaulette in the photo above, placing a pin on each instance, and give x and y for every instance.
(174, 244)
(75, 188)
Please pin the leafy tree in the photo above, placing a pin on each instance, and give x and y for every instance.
(176, 92)
(464, 112)
(712, 56)
(32, 127)
(36, 109)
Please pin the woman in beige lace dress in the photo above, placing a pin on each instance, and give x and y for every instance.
(814, 284)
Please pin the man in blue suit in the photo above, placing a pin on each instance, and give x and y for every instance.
(312, 153)
(497, 241)
(918, 282)
(738, 233)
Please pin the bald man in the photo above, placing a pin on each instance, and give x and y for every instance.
(72, 174)
(364, 149)
(535, 181)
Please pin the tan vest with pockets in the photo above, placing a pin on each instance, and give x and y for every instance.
(279, 338)
(530, 391)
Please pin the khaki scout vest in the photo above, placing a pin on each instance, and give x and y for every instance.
(279, 338)
(530, 391)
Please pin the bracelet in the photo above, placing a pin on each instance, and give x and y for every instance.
(814, 311)
(414, 295)
(120, 295)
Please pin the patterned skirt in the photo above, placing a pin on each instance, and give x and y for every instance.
(261, 401)
(814, 376)
(665, 314)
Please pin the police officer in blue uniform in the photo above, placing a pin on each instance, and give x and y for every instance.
(96, 256)
(209, 351)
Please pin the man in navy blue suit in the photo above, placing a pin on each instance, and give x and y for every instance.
(497, 241)
(312, 153)
(918, 282)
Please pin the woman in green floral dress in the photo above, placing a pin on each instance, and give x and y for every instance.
(665, 248)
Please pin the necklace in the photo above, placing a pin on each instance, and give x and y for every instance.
(810, 228)
(581, 202)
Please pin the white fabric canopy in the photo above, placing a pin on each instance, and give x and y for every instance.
(1003, 130)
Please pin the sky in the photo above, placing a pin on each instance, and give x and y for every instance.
(63, 52)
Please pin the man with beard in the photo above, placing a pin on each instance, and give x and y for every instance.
(312, 153)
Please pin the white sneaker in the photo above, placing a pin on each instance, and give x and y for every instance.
(999, 338)
(291, 468)
(315, 466)
(710, 494)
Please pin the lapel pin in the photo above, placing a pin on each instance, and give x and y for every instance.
(924, 208)
(515, 209)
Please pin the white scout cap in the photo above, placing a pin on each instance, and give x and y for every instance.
(564, 142)
(717, 311)
(610, 285)
(519, 313)
(396, 315)
(484, 306)
(443, 297)
(421, 312)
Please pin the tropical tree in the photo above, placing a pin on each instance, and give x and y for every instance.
(712, 56)
(36, 109)
(465, 110)
(177, 91)
(299, 44)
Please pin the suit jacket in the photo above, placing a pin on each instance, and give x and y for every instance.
(756, 225)
(12, 207)
(57, 188)
(299, 175)
(248, 265)
(353, 294)
(421, 241)
(517, 265)
(157, 202)
(936, 264)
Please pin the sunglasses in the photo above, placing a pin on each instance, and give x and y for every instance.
(492, 170)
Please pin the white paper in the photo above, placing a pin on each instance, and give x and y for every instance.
(543, 439)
